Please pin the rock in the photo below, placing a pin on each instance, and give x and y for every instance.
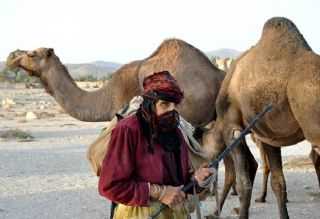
(31, 116)
(60, 109)
(44, 115)
(306, 187)
(20, 114)
(7, 103)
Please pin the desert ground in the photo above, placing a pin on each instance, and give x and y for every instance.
(48, 176)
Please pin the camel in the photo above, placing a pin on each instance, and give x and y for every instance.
(187, 64)
(282, 70)
(225, 64)
(204, 136)
(199, 79)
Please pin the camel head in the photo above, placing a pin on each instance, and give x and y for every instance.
(33, 62)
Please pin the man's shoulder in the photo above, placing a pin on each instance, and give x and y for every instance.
(130, 122)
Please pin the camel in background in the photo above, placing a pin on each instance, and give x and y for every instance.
(196, 75)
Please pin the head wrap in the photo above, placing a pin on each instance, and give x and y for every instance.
(162, 85)
(162, 129)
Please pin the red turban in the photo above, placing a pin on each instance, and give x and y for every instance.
(164, 85)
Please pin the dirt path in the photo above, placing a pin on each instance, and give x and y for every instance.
(50, 177)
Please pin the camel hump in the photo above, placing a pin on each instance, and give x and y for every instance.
(281, 27)
(171, 45)
(280, 22)
(174, 47)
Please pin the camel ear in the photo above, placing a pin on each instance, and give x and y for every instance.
(50, 52)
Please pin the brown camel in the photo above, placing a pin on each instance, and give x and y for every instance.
(204, 136)
(196, 75)
(199, 79)
(282, 70)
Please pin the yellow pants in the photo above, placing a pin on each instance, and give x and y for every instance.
(136, 212)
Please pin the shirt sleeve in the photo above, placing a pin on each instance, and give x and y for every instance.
(117, 181)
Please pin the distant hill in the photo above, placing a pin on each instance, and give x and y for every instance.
(96, 69)
(223, 53)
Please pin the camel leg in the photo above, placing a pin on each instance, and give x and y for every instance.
(265, 176)
(245, 174)
(315, 157)
(229, 180)
(234, 190)
(278, 183)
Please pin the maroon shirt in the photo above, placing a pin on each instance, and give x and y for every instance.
(128, 165)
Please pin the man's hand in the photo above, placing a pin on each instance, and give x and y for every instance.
(203, 173)
(172, 196)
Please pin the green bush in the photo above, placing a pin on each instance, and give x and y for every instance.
(16, 134)
(18, 76)
(87, 78)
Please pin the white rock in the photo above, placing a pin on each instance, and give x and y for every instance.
(31, 116)
(7, 103)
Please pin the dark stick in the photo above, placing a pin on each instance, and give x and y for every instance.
(226, 151)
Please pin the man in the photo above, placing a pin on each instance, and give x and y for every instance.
(147, 161)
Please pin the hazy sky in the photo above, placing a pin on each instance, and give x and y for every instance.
(122, 31)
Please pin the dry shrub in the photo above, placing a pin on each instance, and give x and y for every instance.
(16, 134)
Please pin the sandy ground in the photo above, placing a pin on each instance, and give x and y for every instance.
(50, 178)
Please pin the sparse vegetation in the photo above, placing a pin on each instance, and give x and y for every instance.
(93, 78)
(87, 78)
(17, 76)
(16, 134)
(6, 75)
(106, 78)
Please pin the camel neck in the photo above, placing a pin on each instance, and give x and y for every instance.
(81, 104)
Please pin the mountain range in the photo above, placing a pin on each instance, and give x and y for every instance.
(97, 69)
(223, 53)
(100, 69)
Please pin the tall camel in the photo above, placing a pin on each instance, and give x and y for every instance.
(197, 76)
(280, 69)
